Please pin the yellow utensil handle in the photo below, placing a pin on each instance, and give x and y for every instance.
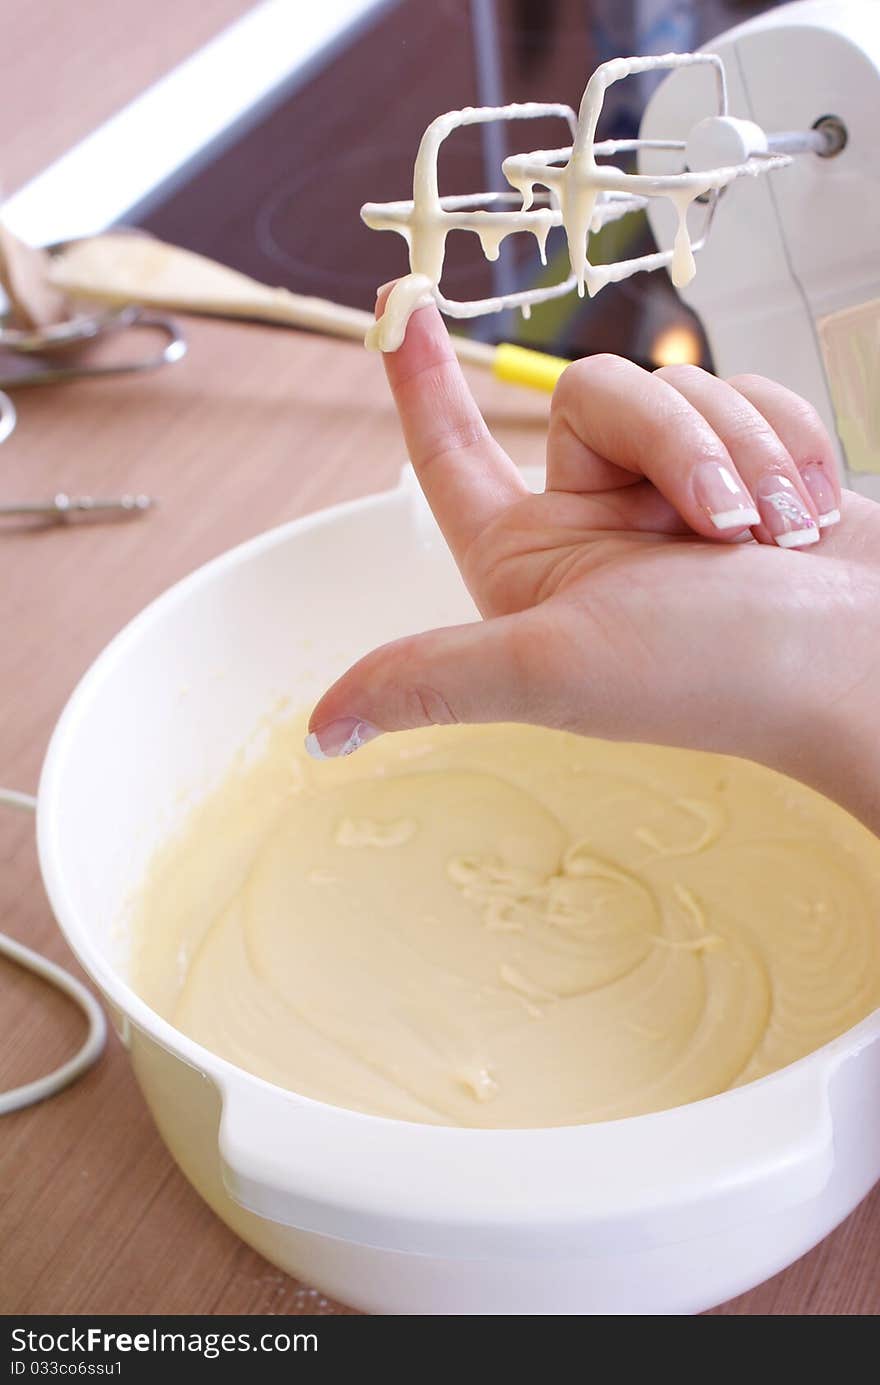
(521, 366)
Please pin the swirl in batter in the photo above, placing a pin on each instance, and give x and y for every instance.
(509, 926)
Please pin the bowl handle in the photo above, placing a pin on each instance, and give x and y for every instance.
(451, 1192)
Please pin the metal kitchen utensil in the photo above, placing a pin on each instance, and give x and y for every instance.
(62, 507)
(44, 343)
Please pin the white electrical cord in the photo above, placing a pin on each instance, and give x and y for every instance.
(91, 1050)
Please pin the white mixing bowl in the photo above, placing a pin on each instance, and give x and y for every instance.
(667, 1213)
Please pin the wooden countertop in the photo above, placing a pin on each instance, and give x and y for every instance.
(255, 426)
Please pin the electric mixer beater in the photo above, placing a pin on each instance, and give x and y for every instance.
(787, 287)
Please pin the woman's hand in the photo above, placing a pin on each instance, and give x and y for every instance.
(683, 579)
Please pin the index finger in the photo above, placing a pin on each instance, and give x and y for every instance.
(468, 479)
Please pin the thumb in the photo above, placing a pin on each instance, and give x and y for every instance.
(491, 670)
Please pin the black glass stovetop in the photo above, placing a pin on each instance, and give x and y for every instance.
(279, 198)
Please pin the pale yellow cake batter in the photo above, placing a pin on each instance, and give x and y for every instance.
(506, 926)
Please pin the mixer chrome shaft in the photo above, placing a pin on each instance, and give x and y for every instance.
(827, 138)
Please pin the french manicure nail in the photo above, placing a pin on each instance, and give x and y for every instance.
(784, 513)
(341, 737)
(723, 497)
(818, 483)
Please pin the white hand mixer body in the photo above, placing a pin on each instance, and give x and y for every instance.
(789, 281)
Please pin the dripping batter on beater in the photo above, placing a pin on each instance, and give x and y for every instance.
(565, 187)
